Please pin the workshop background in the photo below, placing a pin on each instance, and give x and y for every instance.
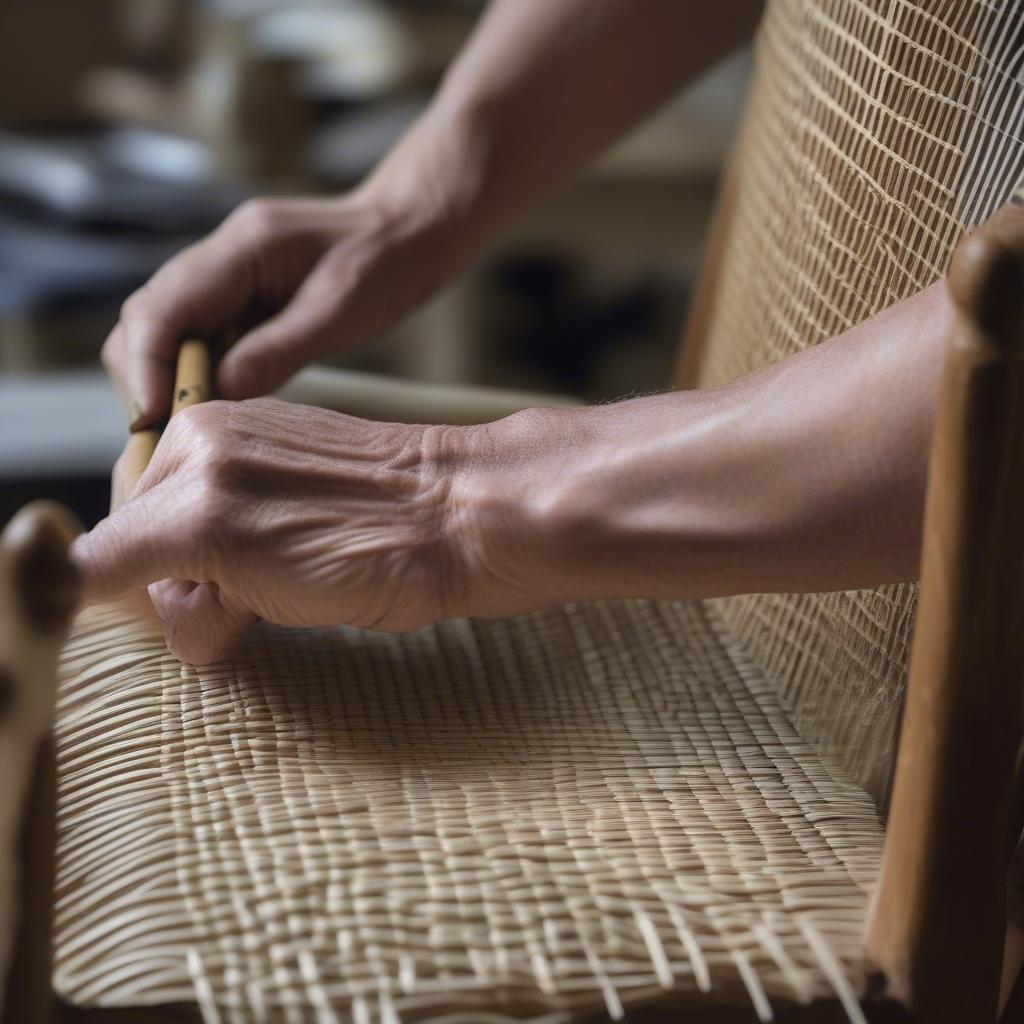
(130, 127)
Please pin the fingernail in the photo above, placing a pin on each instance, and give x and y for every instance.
(134, 415)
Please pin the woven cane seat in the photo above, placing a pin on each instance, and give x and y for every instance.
(577, 809)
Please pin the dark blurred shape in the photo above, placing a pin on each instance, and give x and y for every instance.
(48, 46)
(351, 143)
(551, 325)
(42, 265)
(89, 497)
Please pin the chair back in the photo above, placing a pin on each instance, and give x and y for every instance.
(874, 135)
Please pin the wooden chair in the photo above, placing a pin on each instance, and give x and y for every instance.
(649, 811)
(935, 942)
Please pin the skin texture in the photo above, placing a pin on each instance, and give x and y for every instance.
(809, 475)
(283, 512)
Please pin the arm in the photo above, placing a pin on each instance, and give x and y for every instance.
(807, 476)
(540, 89)
(542, 86)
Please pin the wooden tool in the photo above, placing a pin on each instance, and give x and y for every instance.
(193, 383)
(193, 380)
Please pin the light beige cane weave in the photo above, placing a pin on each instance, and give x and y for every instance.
(573, 809)
(584, 808)
(875, 134)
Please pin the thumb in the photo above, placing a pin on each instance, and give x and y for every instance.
(141, 542)
(310, 325)
(262, 360)
(201, 623)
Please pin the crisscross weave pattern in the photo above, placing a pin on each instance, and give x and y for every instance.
(875, 134)
(569, 811)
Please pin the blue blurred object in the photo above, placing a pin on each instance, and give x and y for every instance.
(93, 216)
(42, 264)
(130, 177)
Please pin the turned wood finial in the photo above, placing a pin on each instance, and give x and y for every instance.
(46, 584)
(39, 591)
(986, 278)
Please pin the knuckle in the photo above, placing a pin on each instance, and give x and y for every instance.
(217, 468)
(210, 444)
(174, 435)
(144, 307)
(130, 306)
(202, 418)
(256, 218)
(109, 356)
(179, 430)
(208, 516)
(194, 428)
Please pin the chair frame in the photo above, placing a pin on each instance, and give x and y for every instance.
(937, 931)
(37, 606)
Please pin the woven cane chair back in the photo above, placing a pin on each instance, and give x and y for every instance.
(874, 135)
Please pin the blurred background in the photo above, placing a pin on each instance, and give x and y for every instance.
(130, 127)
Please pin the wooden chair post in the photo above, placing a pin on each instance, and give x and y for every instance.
(38, 594)
(936, 931)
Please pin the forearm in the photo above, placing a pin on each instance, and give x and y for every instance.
(542, 86)
(807, 476)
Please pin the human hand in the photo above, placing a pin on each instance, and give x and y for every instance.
(287, 280)
(295, 515)
(308, 517)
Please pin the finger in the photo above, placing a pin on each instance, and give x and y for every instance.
(142, 377)
(112, 355)
(200, 623)
(150, 350)
(265, 357)
(203, 290)
(149, 538)
(262, 360)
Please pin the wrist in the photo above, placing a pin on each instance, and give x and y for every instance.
(635, 499)
(516, 537)
(430, 185)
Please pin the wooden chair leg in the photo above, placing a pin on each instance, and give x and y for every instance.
(29, 992)
(936, 932)
(1013, 1013)
(1012, 983)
